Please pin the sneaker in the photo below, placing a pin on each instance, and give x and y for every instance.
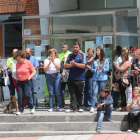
(60, 109)
(33, 111)
(138, 132)
(92, 110)
(98, 129)
(70, 111)
(109, 120)
(19, 113)
(80, 110)
(129, 131)
(50, 110)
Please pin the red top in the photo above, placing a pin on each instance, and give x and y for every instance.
(24, 70)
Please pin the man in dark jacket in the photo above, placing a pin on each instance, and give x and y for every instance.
(104, 105)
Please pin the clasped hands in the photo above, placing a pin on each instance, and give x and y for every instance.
(100, 67)
(72, 63)
(100, 105)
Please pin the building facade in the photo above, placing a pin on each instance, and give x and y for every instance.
(11, 12)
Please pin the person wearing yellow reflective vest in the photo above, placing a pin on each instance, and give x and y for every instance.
(9, 70)
(47, 47)
(63, 57)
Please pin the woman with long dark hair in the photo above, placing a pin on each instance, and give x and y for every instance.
(100, 67)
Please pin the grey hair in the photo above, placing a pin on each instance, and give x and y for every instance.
(65, 44)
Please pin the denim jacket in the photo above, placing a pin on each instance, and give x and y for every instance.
(100, 75)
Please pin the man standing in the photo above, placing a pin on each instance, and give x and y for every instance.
(76, 62)
(63, 57)
(9, 69)
(33, 80)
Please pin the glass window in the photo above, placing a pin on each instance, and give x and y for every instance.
(127, 22)
(37, 47)
(57, 43)
(120, 3)
(126, 41)
(13, 38)
(82, 24)
(95, 39)
(36, 26)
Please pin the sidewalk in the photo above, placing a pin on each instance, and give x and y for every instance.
(82, 137)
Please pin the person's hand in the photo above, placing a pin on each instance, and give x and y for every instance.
(115, 64)
(136, 68)
(5, 68)
(136, 72)
(72, 62)
(97, 68)
(132, 71)
(99, 106)
(102, 68)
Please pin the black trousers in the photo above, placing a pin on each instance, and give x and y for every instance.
(11, 86)
(76, 89)
(132, 119)
(122, 93)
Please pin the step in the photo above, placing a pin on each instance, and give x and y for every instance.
(53, 133)
(63, 126)
(58, 117)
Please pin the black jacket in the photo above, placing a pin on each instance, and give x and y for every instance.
(107, 100)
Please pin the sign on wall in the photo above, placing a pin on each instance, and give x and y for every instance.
(107, 39)
(27, 31)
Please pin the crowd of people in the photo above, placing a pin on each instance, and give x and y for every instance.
(86, 77)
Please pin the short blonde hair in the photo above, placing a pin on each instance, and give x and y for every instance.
(53, 50)
(137, 88)
(125, 49)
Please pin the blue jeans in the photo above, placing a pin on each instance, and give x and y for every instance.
(54, 87)
(88, 93)
(24, 87)
(115, 96)
(33, 89)
(108, 111)
(97, 86)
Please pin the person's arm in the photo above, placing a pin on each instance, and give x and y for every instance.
(79, 65)
(36, 63)
(88, 67)
(129, 106)
(46, 64)
(125, 66)
(105, 68)
(109, 100)
(33, 72)
(94, 67)
(67, 64)
(57, 65)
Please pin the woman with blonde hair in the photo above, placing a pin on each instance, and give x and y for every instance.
(88, 94)
(135, 69)
(53, 78)
(133, 106)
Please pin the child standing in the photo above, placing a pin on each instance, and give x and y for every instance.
(104, 106)
(115, 92)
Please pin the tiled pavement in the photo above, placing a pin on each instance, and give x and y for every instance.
(132, 136)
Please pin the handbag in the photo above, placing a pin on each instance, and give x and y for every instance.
(64, 76)
(6, 79)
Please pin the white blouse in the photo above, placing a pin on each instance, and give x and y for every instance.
(52, 69)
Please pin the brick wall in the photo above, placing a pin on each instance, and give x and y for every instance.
(10, 6)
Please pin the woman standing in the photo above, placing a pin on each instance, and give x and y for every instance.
(53, 78)
(135, 69)
(123, 70)
(14, 75)
(88, 94)
(25, 72)
(100, 67)
(133, 106)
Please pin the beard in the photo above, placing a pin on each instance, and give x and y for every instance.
(76, 51)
